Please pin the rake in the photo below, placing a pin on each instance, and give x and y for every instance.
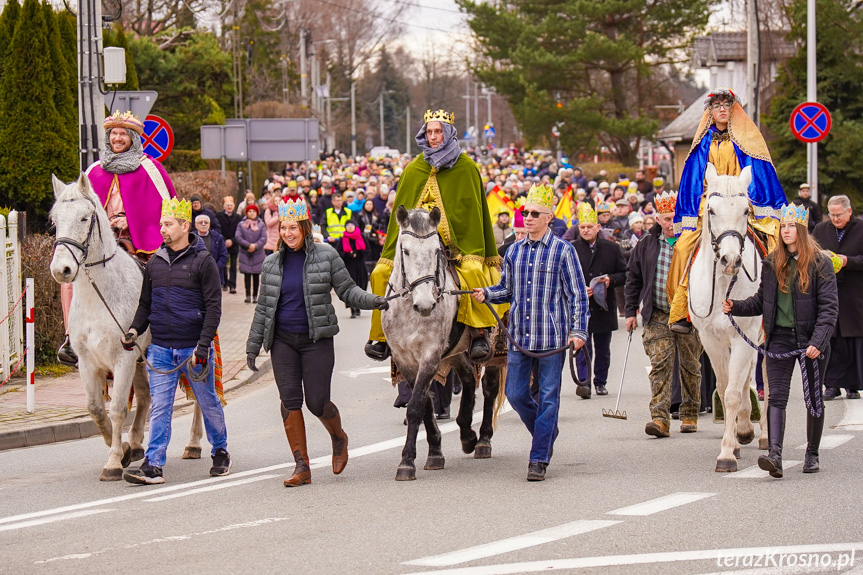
(615, 413)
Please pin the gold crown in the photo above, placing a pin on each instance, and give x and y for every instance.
(796, 214)
(541, 196)
(439, 116)
(180, 209)
(586, 215)
(665, 202)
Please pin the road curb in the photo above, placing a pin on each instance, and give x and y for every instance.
(84, 428)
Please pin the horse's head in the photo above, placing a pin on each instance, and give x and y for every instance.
(419, 253)
(726, 215)
(78, 222)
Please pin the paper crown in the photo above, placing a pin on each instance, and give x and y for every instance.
(586, 215)
(603, 207)
(658, 182)
(180, 209)
(541, 196)
(624, 183)
(796, 214)
(835, 260)
(293, 211)
(665, 202)
(124, 120)
(439, 116)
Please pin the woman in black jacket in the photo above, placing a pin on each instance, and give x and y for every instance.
(295, 321)
(800, 304)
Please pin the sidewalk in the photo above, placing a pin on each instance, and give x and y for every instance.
(61, 403)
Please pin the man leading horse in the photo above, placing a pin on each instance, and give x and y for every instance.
(444, 177)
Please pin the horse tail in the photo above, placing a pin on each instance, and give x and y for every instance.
(501, 394)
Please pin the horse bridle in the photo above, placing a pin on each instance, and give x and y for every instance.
(407, 286)
(69, 243)
(714, 243)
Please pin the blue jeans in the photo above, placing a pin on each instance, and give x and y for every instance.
(540, 417)
(162, 390)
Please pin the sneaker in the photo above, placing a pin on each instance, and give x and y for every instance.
(145, 475)
(221, 463)
(536, 471)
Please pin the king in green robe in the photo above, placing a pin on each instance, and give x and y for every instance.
(455, 187)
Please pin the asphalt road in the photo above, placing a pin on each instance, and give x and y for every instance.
(615, 501)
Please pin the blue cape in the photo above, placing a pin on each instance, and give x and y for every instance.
(764, 190)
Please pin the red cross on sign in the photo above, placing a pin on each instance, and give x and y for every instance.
(158, 138)
(810, 122)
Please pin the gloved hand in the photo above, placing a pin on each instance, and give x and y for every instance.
(250, 361)
(202, 354)
(128, 340)
(381, 303)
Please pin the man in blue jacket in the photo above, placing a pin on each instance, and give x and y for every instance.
(181, 303)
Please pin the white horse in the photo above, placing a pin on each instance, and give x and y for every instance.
(85, 251)
(725, 247)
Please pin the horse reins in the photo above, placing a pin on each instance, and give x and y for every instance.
(408, 286)
(800, 354)
(85, 249)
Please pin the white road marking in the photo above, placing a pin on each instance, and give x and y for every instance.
(853, 419)
(831, 441)
(34, 522)
(512, 543)
(166, 539)
(213, 487)
(355, 373)
(661, 504)
(712, 555)
(756, 472)
(314, 463)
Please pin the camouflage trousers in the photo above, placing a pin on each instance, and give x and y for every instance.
(660, 344)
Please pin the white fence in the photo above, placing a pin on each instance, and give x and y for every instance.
(11, 330)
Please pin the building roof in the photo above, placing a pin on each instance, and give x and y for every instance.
(683, 126)
(719, 47)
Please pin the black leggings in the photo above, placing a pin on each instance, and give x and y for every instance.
(779, 371)
(300, 364)
(252, 281)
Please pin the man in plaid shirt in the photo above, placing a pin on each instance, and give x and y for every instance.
(542, 279)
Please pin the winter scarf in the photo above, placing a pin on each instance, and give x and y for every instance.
(446, 155)
(124, 162)
(358, 239)
(250, 224)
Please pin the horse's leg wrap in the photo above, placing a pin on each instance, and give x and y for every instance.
(295, 429)
(333, 424)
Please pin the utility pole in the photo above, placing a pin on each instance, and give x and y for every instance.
(811, 95)
(283, 64)
(305, 33)
(476, 109)
(313, 64)
(238, 63)
(408, 130)
(91, 102)
(381, 114)
(331, 136)
(753, 61)
(353, 119)
(467, 103)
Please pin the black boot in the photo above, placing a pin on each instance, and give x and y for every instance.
(772, 462)
(814, 427)
(479, 348)
(377, 350)
(66, 355)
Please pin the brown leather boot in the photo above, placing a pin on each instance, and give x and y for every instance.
(295, 429)
(333, 424)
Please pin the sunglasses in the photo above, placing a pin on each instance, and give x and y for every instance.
(535, 215)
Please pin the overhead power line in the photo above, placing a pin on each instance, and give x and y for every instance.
(393, 20)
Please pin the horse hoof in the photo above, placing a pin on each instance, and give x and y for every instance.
(483, 451)
(127, 455)
(763, 444)
(745, 438)
(737, 453)
(434, 463)
(468, 445)
(726, 465)
(405, 473)
(137, 454)
(111, 475)
(192, 453)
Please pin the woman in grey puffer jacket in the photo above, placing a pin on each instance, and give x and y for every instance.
(295, 321)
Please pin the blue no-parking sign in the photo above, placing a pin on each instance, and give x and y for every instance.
(158, 138)
(810, 122)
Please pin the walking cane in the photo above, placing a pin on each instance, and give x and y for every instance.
(617, 414)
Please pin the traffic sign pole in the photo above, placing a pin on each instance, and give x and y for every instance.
(811, 96)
